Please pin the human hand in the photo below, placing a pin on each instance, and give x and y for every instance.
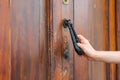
(92, 54)
(87, 48)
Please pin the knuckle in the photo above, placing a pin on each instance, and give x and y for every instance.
(86, 41)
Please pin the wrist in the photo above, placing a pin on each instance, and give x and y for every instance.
(96, 55)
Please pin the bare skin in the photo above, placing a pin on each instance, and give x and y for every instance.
(92, 54)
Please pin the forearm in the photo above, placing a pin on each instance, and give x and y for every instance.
(108, 56)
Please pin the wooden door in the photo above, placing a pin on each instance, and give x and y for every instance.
(33, 40)
(95, 19)
(23, 40)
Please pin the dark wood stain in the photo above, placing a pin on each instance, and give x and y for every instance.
(118, 33)
(29, 52)
(33, 39)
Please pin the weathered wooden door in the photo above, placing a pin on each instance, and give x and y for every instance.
(33, 40)
(23, 40)
(95, 19)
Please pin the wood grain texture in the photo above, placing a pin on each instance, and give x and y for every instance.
(80, 63)
(43, 55)
(5, 41)
(118, 66)
(33, 40)
(112, 36)
(55, 40)
(90, 20)
(60, 68)
(67, 63)
(50, 36)
(29, 50)
(118, 33)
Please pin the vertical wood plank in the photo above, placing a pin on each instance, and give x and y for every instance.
(49, 35)
(60, 68)
(28, 40)
(118, 33)
(5, 41)
(80, 63)
(55, 39)
(67, 63)
(112, 36)
(43, 55)
(90, 20)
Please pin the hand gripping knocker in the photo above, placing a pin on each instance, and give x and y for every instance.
(75, 39)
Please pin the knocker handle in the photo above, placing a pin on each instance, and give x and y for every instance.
(75, 39)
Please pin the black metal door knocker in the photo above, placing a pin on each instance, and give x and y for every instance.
(75, 39)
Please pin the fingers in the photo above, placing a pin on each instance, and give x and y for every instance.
(79, 45)
(82, 39)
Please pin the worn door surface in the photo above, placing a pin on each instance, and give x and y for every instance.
(33, 40)
(23, 40)
(118, 34)
(95, 19)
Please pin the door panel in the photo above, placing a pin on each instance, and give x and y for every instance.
(56, 61)
(118, 33)
(90, 20)
(60, 41)
(67, 63)
(5, 41)
(29, 52)
(61, 68)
